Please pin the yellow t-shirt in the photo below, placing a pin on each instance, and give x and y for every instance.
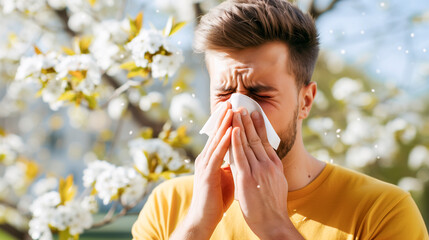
(338, 204)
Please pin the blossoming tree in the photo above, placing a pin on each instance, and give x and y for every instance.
(103, 63)
(84, 64)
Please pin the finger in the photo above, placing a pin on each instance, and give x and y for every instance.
(224, 110)
(237, 122)
(238, 152)
(216, 158)
(226, 123)
(253, 139)
(258, 122)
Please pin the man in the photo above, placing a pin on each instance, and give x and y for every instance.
(267, 49)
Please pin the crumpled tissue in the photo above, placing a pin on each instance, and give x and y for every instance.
(238, 100)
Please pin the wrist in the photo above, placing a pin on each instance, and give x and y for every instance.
(284, 231)
(192, 228)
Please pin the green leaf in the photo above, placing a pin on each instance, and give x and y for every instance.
(138, 72)
(128, 65)
(67, 96)
(139, 21)
(39, 93)
(176, 27)
(92, 102)
(147, 133)
(92, 2)
(84, 44)
(78, 74)
(64, 235)
(68, 51)
(164, 83)
(66, 189)
(37, 50)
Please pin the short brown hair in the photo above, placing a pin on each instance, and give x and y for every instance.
(241, 24)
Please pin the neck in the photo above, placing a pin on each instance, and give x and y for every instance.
(299, 167)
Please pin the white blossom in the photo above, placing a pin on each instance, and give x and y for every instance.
(344, 88)
(320, 125)
(94, 169)
(45, 185)
(39, 229)
(117, 107)
(165, 152)
(150, 42)
(153, 98)
(166, 65)
(135, 190)
(321, 101)
(57, 4)
(80, 21)
(89, 203)
(410, 184)
(11, 146)
(30, 5)
(185, 107)
(358, 131)
(53, 91)
(15, 175)
(47, 212)
(5, 189)
(79, 63)
(78, 116)
(419, 156)
(147, 41)
(358, 157)
(29, 67)
(110, 36)
(22, 5)
(109, 182)
(41, 207)
(7, 5)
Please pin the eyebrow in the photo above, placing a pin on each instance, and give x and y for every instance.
(253, 89)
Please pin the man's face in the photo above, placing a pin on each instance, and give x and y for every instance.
(262, 74)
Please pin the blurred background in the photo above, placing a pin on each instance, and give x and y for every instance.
(371, 112)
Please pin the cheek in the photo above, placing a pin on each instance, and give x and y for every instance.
(280, 116)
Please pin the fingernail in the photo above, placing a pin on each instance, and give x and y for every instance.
(256, 115)
(244, 112)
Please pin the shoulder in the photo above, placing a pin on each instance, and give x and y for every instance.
(366, 186)
(385, 210)
(176, 187)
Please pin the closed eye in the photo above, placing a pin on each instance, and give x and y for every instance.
(223, 95)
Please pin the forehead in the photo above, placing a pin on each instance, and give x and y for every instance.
(265, 60)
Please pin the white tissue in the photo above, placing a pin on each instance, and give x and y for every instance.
(238, 100)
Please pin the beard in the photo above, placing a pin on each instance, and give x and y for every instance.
(287, 137)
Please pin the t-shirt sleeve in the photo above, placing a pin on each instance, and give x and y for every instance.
(402, 221)
(149, 224)
(165, 208)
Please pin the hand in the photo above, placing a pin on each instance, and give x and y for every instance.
(261, 187)
(213, 186)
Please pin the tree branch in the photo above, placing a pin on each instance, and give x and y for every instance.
(198, 11)
(137, 114)
(110, 217)
(316, 13)
(14, 232)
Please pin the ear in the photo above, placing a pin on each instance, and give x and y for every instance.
(306, 99)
